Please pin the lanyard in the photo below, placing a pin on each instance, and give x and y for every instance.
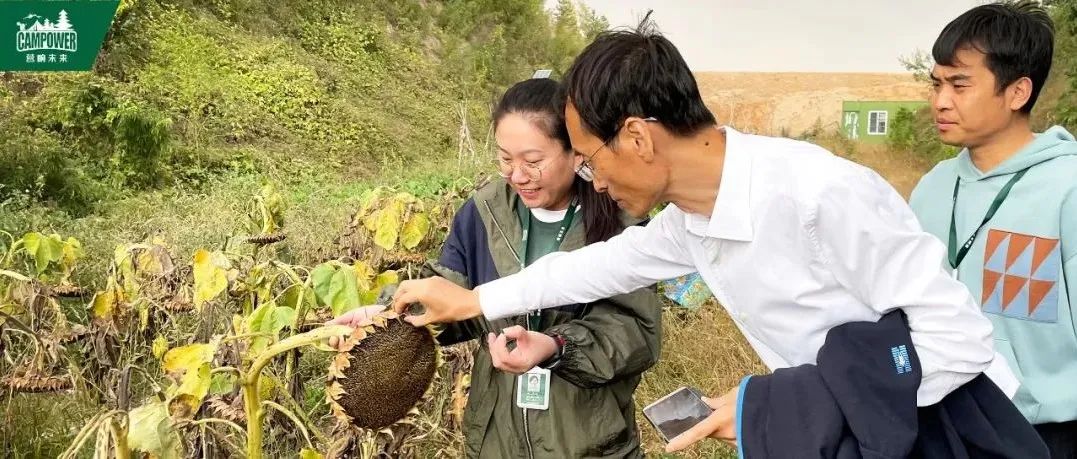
(534, 317)
(957, 255)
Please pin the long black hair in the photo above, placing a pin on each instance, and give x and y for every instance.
(543, 101)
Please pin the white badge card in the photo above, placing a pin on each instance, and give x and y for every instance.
(533, 389)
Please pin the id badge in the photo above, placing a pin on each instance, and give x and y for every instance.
(954, 273)
(533, 389)
(689, 291)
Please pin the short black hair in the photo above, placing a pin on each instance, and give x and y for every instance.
(637, 72)
(1016, 38)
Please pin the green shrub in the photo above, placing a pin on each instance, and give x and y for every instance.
(915, 132)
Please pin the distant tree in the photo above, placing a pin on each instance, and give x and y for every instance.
(920, 64)
(592, 23)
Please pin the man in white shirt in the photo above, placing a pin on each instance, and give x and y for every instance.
(791, 239)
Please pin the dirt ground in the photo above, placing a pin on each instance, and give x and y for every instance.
(773, 103)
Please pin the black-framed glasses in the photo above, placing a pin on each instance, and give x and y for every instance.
(586, 171)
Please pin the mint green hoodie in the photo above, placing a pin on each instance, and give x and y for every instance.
(1021, 260)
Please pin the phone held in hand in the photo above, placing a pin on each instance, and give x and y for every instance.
(677, 412)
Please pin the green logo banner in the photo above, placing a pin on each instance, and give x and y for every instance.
(53, 35)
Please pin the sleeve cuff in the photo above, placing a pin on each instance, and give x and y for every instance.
(740, 409)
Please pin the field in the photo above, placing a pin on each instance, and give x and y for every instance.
(256, 119)
(700, 348)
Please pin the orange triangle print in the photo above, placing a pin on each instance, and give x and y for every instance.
(994, 238)
(990, 283)
(1041, 250)
(1036, 291)
(1011, 286)
(1018, 244)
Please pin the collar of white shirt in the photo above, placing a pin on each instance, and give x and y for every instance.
(731, 217)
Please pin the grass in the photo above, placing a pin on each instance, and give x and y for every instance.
(701, 348)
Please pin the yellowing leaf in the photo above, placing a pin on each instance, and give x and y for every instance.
(367, 201)
(370, 222)
(210, 276)
(126, 267)
(105, 304)
(150, 431)
(406, 198)
(310, 454)
(414, 231)
(386, 278)
(192, 390)
(370, 296)
(363, 274)
(188, 358)
(387, 223)
(179, 406)
(160, 346)
(153, 262)
(72, 251)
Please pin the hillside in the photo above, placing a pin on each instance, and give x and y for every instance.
(793, 102)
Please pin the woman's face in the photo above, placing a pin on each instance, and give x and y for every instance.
(537, 166)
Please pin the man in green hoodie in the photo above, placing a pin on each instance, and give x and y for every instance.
(1011, 225)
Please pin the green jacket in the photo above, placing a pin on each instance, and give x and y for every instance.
(609, 345)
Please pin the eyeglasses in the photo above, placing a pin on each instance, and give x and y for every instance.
(532, 170)
(586, 171)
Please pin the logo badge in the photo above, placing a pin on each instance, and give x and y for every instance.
(44, 36)
(902, 364)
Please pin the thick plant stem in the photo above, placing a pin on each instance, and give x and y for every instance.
(119, 436)
(252, 404)
(252, 401)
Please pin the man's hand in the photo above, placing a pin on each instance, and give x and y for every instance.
(358, 317)
(532, 348)
(721, 424)
(442, 301)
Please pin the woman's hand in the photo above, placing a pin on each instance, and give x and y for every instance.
(358, 317)
(532, 348)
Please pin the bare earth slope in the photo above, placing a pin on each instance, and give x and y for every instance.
(767, 103)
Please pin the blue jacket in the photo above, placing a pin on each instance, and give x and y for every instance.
(859, 401)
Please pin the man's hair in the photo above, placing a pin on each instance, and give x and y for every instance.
(1016, 38)
(635, 73)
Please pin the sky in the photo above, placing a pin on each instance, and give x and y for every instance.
(791, 35)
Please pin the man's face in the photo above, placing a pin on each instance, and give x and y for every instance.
(968, 107)
(633, 178)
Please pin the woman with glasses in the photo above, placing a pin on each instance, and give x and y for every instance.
(578, 401)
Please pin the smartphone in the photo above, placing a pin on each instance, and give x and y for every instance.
(677, 412)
